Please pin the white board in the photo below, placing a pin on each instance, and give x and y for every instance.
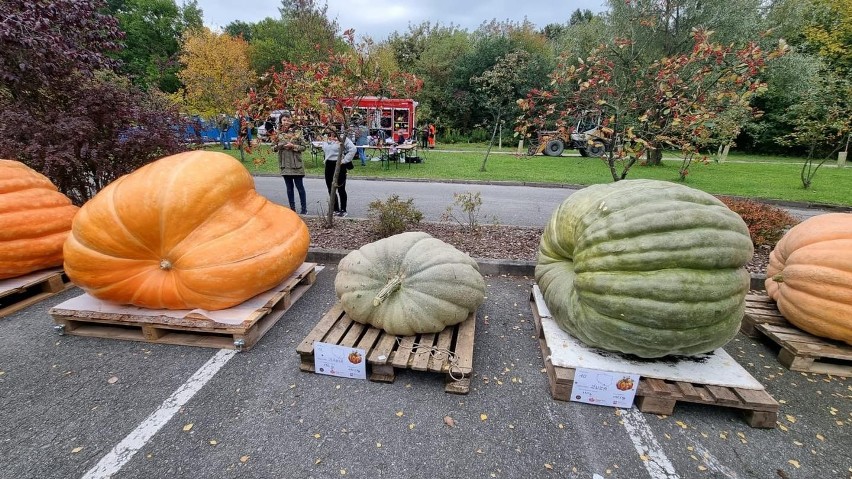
(717, 368)
(233, 315)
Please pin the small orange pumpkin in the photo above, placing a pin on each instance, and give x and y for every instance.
(810, 276)
(186, 231)
(35, 219)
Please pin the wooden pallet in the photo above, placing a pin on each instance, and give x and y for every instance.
(386, 353)
(659, 396)
(800, 351)
(19, 297)
(192, 330)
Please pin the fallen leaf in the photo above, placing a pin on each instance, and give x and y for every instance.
(318, 461)
(213, 442)
(399, 414)
(411, 426)
(449, 421)
(112, 380)
(790, 419)
(483, 417)
(378, 444)
(820, 437)
(244, 459)
(702, 468)
(187, 427)
(343, 472)
(548, 466)
(794, 463)
(317, 436)
(76, 450)
(681, 424)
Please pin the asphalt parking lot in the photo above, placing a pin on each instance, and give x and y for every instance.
(76, 407)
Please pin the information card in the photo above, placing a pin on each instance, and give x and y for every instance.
(341, 361)
(604, 388)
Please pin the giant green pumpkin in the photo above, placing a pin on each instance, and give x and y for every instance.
(409, 283)
(645, 267)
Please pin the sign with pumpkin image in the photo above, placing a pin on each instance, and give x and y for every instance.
(340, 361)
(604, 388)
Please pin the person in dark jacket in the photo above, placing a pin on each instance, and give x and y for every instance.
(290, 145)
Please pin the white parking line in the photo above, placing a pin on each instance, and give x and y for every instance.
(653, 457)
(136, 440)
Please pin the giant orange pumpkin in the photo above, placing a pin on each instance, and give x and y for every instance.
(810, 276)
(35, 219)
(186, 231)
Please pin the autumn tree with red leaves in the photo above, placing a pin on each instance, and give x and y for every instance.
(685, 101)
(312, 92)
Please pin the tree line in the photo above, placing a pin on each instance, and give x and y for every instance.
(92, 89)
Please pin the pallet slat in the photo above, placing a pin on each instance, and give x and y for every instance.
(660, 396)
(40, 288)
(387, 353)
(202, 332)
(799, 350)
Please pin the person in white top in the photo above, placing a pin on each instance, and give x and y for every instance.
(332, 151)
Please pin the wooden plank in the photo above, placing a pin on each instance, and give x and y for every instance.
(438, 362)
(423, 352)
(464, 345)
(403, 352)
(382, 352)
(757, 399)
(338, 330)
(318, 333)
(352, 335)
(368, 339)
(723, 395)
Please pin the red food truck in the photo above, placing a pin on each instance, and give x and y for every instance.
(386, 117)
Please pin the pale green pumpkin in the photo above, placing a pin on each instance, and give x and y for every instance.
(408, 284)
(645, 267)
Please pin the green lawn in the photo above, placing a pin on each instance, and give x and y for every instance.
(762, 177)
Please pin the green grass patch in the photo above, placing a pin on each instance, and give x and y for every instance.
(751, 176)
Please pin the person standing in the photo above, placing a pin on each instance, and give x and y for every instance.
(424, 136)
(332, 150)
(362, 140)
(290, 146)
(431, 135)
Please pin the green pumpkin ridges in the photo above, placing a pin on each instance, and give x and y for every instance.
(663, 316)
(645, 267)
(598, 331)
(674, 216)
(669, 285)
(651, 253)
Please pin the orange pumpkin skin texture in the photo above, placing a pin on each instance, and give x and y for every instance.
(186, 231)
(35, 219)
(810, 276)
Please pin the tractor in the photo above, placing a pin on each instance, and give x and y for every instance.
(588, 136)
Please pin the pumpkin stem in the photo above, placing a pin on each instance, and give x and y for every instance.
(778, 278)
(165, 265)
(393, 285)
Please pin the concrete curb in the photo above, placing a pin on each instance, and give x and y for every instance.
(488, 267)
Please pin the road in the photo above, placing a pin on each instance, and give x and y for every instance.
(507, 204)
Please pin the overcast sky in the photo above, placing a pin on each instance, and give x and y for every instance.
(379, 18)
